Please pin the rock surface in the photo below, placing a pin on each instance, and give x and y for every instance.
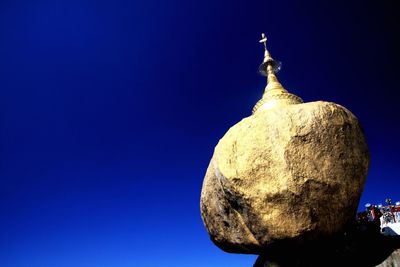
(392, 261)
(286, 174)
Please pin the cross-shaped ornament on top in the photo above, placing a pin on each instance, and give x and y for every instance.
(264, 41)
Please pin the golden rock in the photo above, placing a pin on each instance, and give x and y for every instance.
(291, 171)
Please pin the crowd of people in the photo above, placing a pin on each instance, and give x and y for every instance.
(380, 214)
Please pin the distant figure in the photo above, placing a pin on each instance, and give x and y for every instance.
(376, 215)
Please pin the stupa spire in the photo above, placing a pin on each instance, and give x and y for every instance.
(274, 92)
(269, 65)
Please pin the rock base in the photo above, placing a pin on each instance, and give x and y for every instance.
(363, 246)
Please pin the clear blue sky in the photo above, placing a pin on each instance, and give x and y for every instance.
(110, 110)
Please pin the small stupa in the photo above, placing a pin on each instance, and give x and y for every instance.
(288, 173)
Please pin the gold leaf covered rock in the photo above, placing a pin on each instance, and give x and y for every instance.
(291, 171)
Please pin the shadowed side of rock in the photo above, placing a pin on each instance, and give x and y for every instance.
(221, 216)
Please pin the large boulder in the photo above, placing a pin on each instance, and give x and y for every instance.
(287, 173)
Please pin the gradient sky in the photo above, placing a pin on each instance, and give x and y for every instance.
(110, 111)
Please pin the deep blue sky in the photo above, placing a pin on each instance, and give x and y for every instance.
(110, 111)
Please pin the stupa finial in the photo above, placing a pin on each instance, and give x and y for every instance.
(264, 41)
(274, 93)
(269, 65)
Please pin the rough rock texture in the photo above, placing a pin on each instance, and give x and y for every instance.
(284, 174)
(392, 261)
